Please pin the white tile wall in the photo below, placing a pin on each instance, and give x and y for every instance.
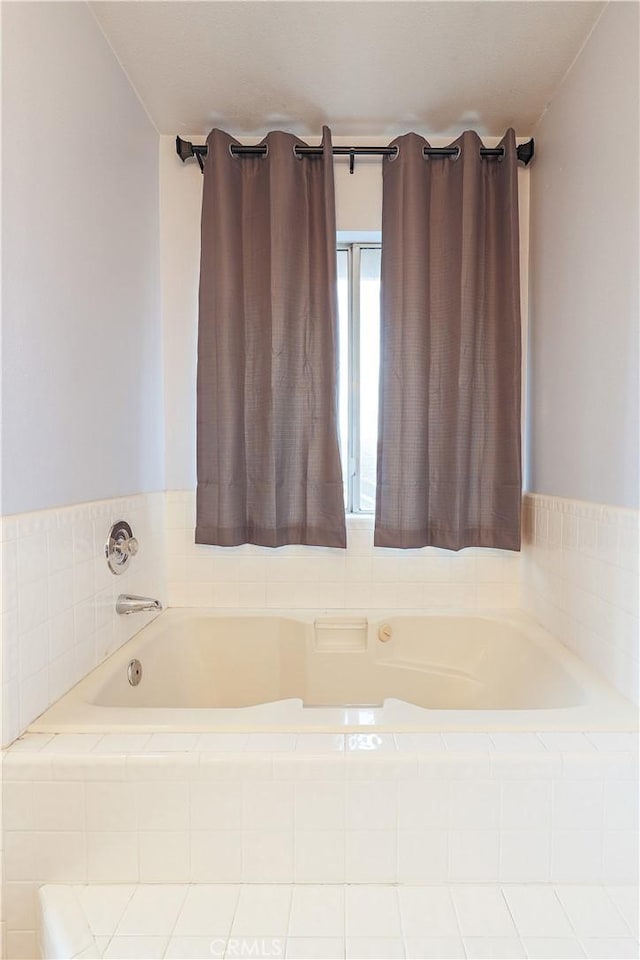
(58, 597)
(580, 580)
(265, 811)
(317, 577)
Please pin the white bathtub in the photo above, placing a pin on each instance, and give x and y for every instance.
(221, 671)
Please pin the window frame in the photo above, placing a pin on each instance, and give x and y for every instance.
(351, 463)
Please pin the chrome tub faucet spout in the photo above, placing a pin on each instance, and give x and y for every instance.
(127, 603)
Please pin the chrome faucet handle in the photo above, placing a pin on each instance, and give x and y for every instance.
(124, 546)
(120, 546)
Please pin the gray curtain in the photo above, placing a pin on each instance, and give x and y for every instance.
(449, 425)
(268, 458)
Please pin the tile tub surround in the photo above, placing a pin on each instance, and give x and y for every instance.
(58, 597)
(359, 577)
(315, 809)
(580, 581)
(332, 921)
(577, 576)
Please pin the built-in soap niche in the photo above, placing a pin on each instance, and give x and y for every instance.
(340, 634)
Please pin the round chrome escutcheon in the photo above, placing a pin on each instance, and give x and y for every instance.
(134, 672)
(120, 547)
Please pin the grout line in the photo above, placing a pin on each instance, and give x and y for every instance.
(175, 924)
(618, 910)
(554, 887)
(506, 903)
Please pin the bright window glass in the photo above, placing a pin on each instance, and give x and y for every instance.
(369, 366)
(344, 363)
(359, 318)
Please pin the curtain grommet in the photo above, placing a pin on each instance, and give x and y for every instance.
(456, 156)
(394, 156)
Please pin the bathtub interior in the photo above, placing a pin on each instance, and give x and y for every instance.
(434, 662)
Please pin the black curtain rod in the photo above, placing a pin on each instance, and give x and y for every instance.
(185, 149)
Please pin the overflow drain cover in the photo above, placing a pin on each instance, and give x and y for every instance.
(134, 672)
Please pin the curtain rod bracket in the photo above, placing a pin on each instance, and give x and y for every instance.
(185, 149)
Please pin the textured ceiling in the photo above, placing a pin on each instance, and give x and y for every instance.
(383, 66)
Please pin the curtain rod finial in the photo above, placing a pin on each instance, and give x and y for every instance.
(184, 149)
(525, 152)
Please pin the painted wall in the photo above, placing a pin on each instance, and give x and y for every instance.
(82, 346)
(358, 208)
(583, 397)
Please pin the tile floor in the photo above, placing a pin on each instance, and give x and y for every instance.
(361, 921)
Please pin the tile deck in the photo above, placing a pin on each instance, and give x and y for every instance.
(377, 921)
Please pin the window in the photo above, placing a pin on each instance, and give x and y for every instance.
(359, 352)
